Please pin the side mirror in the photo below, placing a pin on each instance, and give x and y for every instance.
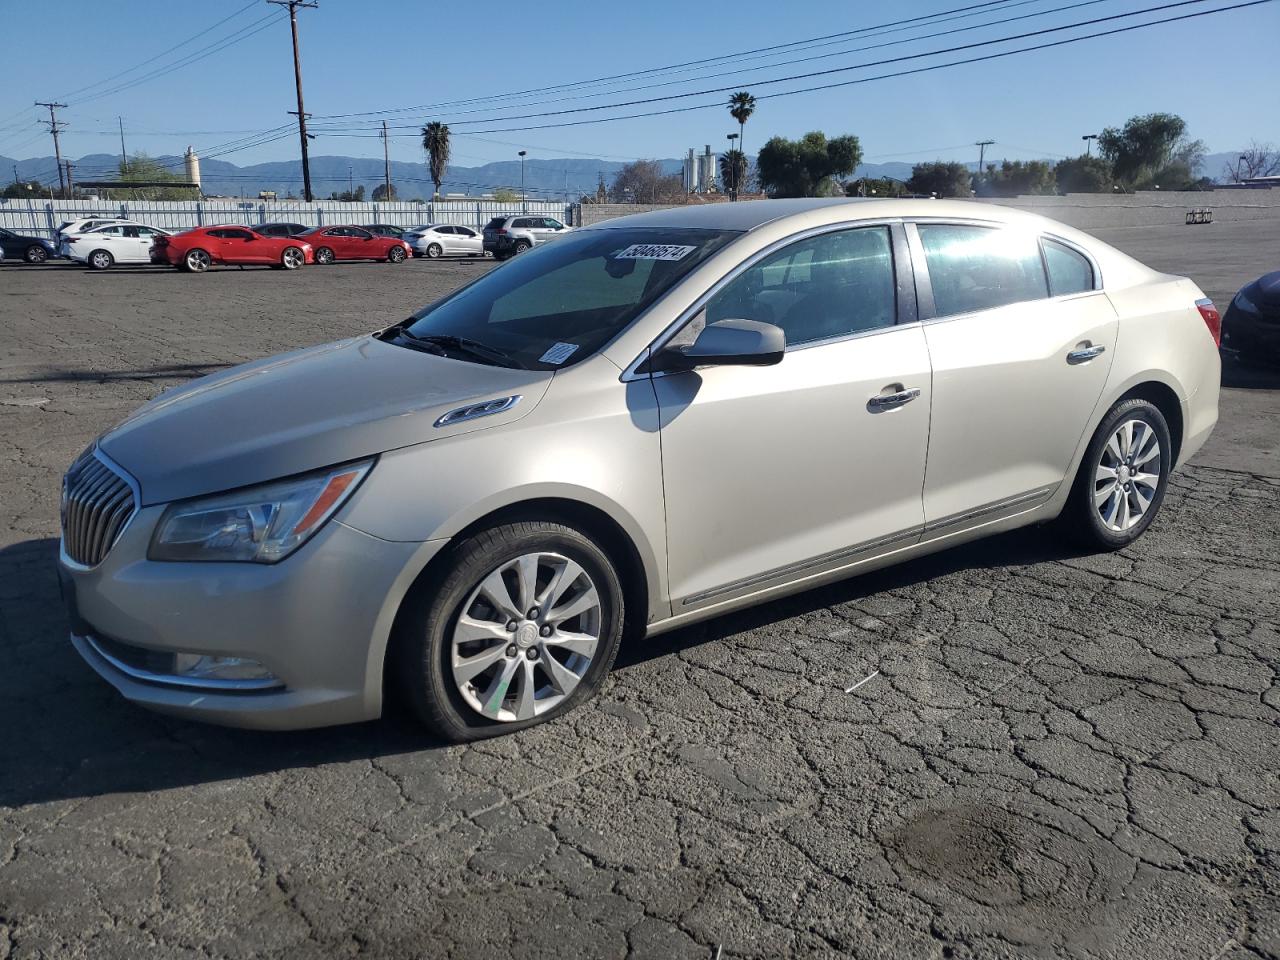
(728, 343)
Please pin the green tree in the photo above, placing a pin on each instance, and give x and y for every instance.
(349, 196)
(1083, 174)
(24, 188)
(733, 172)
(1015, 177)
(506, 195)
(875, 187)
(806, 167)
(741, 106)
(141, 168)
(435, 140)
(381, 194)
(940, 178)
(1152, 150)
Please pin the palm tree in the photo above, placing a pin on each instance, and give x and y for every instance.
(435, 140)
(741, 106)
(733, 171)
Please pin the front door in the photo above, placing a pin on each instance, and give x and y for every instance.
(1019, 362)
(775, 474)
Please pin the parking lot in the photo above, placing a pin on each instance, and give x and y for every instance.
(1058, 754)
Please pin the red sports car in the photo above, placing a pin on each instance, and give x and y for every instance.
(349, 242)
(199, 249)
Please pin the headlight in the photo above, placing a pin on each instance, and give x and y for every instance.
(260, 524)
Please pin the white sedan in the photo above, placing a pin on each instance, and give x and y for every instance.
(106, 246)
(444, 239)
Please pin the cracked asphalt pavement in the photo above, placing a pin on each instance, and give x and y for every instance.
(1061, 755)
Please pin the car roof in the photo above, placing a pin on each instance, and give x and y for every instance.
(751, 214)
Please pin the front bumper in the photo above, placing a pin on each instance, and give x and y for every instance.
(319, 621)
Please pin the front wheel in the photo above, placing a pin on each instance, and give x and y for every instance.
(395, 255)
(36, 254)
(1122, 478)
(101, 260)
(292, 258)
(325, 256)
(523, 627)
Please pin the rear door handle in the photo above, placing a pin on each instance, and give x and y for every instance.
(890, 401)
(1085, 354)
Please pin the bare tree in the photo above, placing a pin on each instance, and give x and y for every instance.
(1260, 160)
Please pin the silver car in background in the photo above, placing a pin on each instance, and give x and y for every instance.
(653, 421)
(444, 240)
(507, 236)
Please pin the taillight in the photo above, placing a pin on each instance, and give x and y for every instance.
(1212, 319)
(501, 231)
(69, 239)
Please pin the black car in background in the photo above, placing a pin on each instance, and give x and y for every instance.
(31, 249)
(1251, 325)
(280, 229)
(385, 230)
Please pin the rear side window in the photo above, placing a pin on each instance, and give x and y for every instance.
(831, 285)
(1069, 271)
(977, 268)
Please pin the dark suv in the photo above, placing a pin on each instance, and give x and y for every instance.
(506, 236)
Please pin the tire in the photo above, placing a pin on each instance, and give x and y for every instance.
(292, 258)
(1104, 513)
(36, 254)
(100, 260)
(422, 659)
(395, 255)
(325, 256)
(197, 261)
(435, 251)
(500, 256)
(521, 247)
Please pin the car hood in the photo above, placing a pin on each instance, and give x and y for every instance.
(302, 411)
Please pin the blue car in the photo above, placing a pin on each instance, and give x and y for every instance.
(30, 249)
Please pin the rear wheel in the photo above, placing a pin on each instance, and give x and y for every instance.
(197, 261)
(435, 251)
(523, 627)
(36, 254)
(101, 260)
(1122, 478)
(521, 246)
(292, 258)
(395, 255)
(324, 255)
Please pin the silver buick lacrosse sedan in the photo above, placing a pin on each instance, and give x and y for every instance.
(652, 421)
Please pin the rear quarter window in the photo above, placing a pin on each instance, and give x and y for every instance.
(1069, 270)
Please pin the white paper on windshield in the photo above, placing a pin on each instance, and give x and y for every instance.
(654, 251)
(558, 353)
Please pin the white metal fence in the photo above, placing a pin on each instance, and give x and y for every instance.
(43, 217)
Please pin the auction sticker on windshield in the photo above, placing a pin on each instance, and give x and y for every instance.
(654, 251)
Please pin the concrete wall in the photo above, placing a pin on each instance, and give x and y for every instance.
(1083, 210)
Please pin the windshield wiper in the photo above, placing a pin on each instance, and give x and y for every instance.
(463, 345)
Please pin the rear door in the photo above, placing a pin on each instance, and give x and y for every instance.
(1018, 366)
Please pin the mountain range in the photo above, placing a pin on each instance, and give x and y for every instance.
(552, 179)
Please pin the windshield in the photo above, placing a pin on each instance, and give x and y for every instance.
(560, 303)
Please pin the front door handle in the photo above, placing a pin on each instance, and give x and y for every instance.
(891, 401)
(1085, 354)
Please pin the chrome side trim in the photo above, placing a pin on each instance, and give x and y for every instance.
(741, 267)
(171, 680)
(474, 410)
(803, 566)
(1031, 497)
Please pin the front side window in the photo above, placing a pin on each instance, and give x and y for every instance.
(1069, 270)
(977, 268)
(831, 285)
(560, 303)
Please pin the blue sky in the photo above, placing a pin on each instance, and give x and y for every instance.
(1220, 72)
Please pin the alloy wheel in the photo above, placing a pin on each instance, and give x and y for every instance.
(324, 255)
(198, 261)
(37, 255)
(396, 254)
(434, 251)
(293, 258)
(525, 637)
(100, 260)
(1127, 476)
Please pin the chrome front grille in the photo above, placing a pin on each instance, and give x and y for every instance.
(97, 502)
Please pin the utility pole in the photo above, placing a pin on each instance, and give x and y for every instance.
(124, 157)
(70, 188)
(982, 153)
(351, 184)
(297, 79)
(524, 203)
(55, 125)
(386, 166)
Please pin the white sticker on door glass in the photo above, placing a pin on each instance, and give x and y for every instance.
(559, 353)
(654, 251)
